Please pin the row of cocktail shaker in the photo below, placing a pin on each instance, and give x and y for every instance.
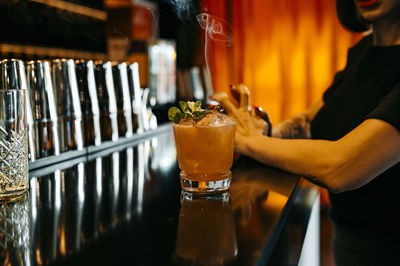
(75, 103)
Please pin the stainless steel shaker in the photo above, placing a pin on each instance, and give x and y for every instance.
(107, 101)
(123, 99)
(89, 102)
(68, 105)
(134, 87)
(44, 113)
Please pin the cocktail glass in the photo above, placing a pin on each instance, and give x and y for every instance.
(13, 130)
(205, 155)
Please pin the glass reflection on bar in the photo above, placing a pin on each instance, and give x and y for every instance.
(143, 152)
(15, 231)
(46, 204)
(129, 183)
(124, 207)
(73, 197)
(110, 188)
(93, 195)
(206, 231)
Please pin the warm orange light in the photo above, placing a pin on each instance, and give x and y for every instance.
(63, 245)
(285, 51)
(275, 201)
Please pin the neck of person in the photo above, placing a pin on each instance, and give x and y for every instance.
(386, 33)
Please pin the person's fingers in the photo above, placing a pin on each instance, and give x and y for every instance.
(261, 113)
(264, 115)
(235, 95)
(244, 93)
(241, 127)
(211, 106)
(223, 99)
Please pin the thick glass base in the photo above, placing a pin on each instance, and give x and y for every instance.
(192, 184)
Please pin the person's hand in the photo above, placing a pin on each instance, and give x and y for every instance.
(249, 121)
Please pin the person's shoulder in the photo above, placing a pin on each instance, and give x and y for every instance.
(359, 49)
(364, 43)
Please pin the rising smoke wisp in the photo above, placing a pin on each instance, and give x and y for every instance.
(184, 9)
(215, 30)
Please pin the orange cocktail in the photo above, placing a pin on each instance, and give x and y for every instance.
(205, 155)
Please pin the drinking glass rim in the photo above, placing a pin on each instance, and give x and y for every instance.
(230, 123)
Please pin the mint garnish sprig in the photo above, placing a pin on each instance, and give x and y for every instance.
(188, 110)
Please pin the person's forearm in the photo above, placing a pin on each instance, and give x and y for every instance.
(297, 127)
(341, 165)
(309, 158)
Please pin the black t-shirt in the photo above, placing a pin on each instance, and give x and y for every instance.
(368, 87)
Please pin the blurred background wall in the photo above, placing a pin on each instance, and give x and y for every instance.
(285, 51)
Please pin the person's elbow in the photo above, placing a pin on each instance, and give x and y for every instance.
(336, 185)
(341, 174)
(337, 175)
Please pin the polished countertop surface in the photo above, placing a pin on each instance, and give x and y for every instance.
(124, 206)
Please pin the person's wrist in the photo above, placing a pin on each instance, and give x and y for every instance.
(245, 144)
(268, 131)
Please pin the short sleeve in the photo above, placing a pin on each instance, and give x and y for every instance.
(388, 108)
(336, 81)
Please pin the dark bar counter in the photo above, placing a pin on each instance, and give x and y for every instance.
(123, 206)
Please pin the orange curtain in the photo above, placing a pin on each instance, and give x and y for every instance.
(285, 51)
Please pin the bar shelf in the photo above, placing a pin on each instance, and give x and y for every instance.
(106, 147)
(74, 8)
(48, 52)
